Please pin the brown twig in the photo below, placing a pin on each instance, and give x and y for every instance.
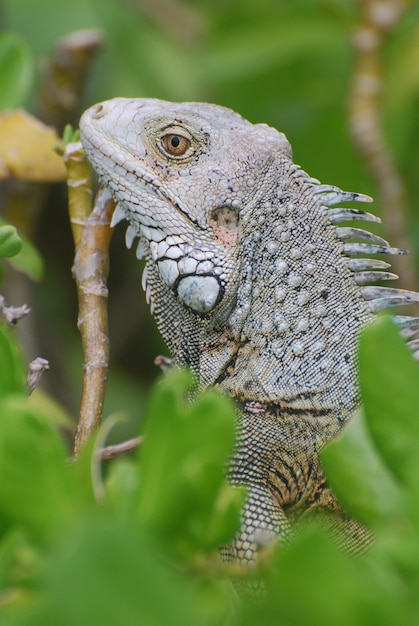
(64, 76)
(90, 271)
(377, 20)
(111, 452)
(79, 184)
(36, 368)
(92, 234)
(12, 314)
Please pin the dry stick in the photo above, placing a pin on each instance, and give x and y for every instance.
(111, 452)
(12, 314)
(64, 76)
(92, 234)
(90, 271)
(36, 368)
(377, 20)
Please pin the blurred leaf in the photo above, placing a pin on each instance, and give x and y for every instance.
(10, 242)
(402, 85)
(27, 149)
(336, 590)
(360, 478)
(16, 70)
(12, 370)
(36, 489)
(389, 381)
(225, 517)
(42, 402)
(80, 469)
(28, 260)
(183, 457)
(122, 487)
(20, 561)
(70, 134)
(107, 573)
(257, 47)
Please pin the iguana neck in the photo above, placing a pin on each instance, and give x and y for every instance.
(298, 313)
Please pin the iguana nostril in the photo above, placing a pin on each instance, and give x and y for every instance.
(98, 112)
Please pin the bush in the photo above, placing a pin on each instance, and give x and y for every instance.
(136, 542)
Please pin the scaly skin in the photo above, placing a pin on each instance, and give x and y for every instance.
(253, 284)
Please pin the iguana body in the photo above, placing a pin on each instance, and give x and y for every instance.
(253, 284)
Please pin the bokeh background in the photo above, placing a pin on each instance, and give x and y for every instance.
(297, 65)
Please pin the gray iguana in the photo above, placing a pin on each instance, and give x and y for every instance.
(255, 284)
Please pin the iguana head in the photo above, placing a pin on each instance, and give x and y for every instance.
(251, 278)
(181, 174)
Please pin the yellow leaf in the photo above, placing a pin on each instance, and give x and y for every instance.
(26, 149)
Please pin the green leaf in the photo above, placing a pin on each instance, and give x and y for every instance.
(108, 573)
(389, 381)
(182, 472)
(20, 560)
(44, 403)
(225, 517)
(122, 487)
(12, 371)
(10, 242)
(336, 590)
(70, 134)
(36, 490)
(16, 71)
(28, 260)
(360, 478)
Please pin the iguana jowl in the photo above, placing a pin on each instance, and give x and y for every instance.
(254, 284)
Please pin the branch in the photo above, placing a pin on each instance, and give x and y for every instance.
(64, 76)
(90, 271)
(377, 20)
(92, 234)
(36, 368)
(12, 314)
(111, 452)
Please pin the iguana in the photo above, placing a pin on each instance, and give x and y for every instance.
(254, 284)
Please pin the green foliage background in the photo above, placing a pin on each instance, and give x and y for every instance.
(138, 545)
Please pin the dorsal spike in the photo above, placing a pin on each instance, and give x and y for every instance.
(414, 345)
(408, 325)
(337, 216)
(380, 298)
(378, 292)
(406, 321)
(380, 304)
(368, 248)
(331, 195)
(347, 232)
(358, 265)
(364, 278)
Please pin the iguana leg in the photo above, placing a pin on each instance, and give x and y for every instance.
(263, 523)
(350, 535)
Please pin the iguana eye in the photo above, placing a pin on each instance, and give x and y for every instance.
(176, 145)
